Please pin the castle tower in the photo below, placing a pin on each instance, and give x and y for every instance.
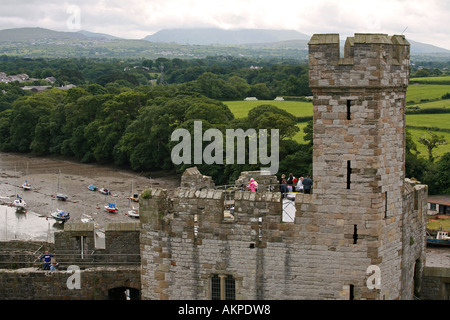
(359, 152)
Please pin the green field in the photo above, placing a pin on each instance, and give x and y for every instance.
(418, 92)
(240, 109)
(431, 80)
(429, 120)
(434, 104)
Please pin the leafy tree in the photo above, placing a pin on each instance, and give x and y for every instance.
(443, 178)
(210, 85)
(431, 143)
(415, 166)
(261, 91)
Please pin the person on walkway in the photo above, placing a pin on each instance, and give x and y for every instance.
(307, 184)
(47, 260)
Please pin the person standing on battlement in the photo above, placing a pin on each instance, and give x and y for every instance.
(299, 186)
(290, 182)
(47, 260)
(307, 184)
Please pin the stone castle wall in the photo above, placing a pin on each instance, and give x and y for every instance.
(116, 265)
(361, 215)
(187, 242)
(35, 284)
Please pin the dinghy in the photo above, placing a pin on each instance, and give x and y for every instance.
(111, 207)
(61, 215)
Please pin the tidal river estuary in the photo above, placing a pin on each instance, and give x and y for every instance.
(49, 176)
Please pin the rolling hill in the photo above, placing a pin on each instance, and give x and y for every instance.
(207, 36)
(257, 38)
(170, 43)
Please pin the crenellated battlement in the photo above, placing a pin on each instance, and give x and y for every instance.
(370, 60)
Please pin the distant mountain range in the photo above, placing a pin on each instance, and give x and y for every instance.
(33, 34)
(208, 36)
(255, 37)
(249, 39)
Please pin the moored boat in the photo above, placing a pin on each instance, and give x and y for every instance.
(441, 239)
(19, 202)
(62, 197)
(111, 207)
(133, 212)
(61, 215)
(105, 191)
(26, 185)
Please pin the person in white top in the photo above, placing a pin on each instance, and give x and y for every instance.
(299, 187)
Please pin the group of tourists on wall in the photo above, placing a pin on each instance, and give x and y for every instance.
(287, 185)
(292, 184)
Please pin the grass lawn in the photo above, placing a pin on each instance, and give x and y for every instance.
(299, 136)
(434, 223)
(417, 92)
(240, 109)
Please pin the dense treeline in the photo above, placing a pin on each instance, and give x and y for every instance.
(215, 77)
(133, 127)
(120, 113)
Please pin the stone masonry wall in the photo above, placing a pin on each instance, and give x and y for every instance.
(415, 203)
(117, 265)
(34, 284)
(359, 145)
(121, 245)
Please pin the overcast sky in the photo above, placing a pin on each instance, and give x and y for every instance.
(420, 20)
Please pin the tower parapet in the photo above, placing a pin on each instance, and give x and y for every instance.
(370, 60)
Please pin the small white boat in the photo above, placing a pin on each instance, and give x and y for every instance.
(61, 215)
(133, 212)
(26, 185)
(105, 191)
(19, 202)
